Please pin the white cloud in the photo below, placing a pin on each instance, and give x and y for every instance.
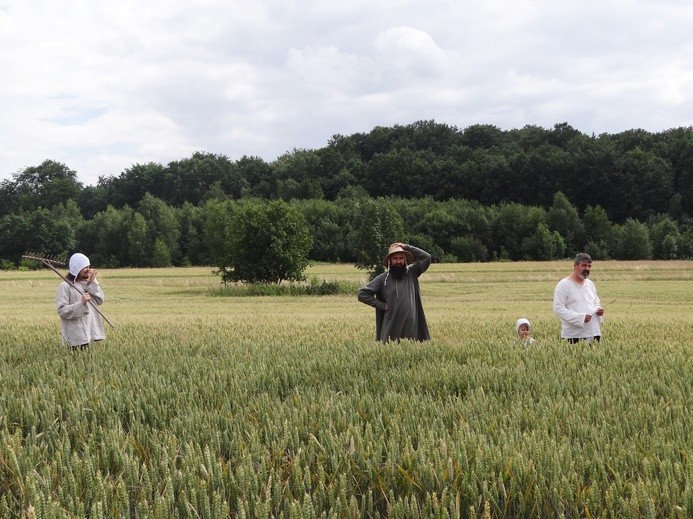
(413, 52)
(101, 87)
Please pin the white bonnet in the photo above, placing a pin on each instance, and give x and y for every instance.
(77, 262)
(520, 322)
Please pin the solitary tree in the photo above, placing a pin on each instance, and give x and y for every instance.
(268, 243)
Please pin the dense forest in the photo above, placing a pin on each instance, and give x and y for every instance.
(473, 194)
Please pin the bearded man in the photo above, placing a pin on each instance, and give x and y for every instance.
(577, 305)
(396, 296)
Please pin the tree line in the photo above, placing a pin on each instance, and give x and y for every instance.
(355, 228)
(478, 194)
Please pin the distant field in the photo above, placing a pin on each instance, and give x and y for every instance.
(493, 292)
(204, 406)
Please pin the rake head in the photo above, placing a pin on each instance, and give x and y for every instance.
(43, 258)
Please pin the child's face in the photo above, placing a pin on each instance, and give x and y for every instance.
(523, 331)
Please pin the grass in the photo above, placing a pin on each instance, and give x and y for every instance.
(273, 405)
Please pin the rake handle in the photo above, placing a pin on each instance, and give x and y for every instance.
(48, 264)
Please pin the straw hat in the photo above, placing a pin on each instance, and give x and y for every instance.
(396, 248)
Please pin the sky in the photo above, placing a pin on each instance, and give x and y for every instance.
(102, 86)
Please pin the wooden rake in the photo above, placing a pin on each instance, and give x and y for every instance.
(51, 263)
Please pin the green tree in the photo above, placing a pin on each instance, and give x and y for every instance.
(69, 212)
(599, 235)
(664, 236)
(599, 250)
(193, 249)
(596, 224)
(591, 177)
(563, 217)
(328, 223)
(642, 184)
(511, 224)
(13, 237)
(93, 199)
(485, 176)
(442, 226)
(161, 255)
(137, 241)
(670, 247)
(161, 225)
(217, 216)
(633, 241)
(49, 235)
(104, 238)
(269, 243)
(189, 180)
(375, 225)
(306, 189)
(685, 184)
(259, 177)
(482, 136)
(46, 185)
(543, 245)
(685, 243)
(130, 187)
(46, 232)
(402, 172)
(299, 175)
(562, 134)
(469, 249)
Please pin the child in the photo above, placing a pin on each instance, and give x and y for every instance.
(524, 331)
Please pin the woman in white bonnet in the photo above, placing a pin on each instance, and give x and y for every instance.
(80, 324)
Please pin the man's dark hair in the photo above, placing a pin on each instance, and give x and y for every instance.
(582, 257)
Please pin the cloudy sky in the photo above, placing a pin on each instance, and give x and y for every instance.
(101, 86)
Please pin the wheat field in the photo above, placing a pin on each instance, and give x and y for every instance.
(204, 406)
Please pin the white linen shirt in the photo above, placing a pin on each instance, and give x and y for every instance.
(571, 302)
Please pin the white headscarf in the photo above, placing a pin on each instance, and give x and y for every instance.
(77, 262)
(520, 322)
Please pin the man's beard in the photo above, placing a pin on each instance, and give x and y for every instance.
(398, 271)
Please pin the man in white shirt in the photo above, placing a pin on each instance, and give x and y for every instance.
(576, 303)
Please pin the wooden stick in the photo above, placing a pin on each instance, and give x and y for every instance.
(48, 264)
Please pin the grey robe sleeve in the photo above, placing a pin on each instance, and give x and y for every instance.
(422, 259)
(369, 293)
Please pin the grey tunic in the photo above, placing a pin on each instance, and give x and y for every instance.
(405, 317)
